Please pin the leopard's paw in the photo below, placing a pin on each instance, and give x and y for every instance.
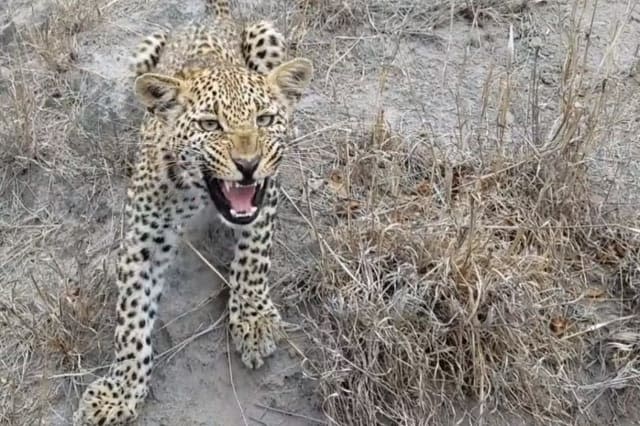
(255, 336)
(107, 401)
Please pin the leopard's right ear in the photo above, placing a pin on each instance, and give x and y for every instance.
(162, 95)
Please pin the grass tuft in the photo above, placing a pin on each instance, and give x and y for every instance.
(493, 282)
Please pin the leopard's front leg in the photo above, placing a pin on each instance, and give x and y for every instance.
(155, 210)
(254, 321)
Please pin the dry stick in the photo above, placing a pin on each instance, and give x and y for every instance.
(314, 228)
(289, 413)
(322, 240)
(299, 139)
(233, 386)
(598, 326)
(107, 6)
(180, 346)
(206, 262)
(628, 228)
(326, 78)
(82, 373)
(214, 269)
(195, 308)
(260, 422)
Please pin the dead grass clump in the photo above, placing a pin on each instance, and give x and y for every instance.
(44, 109)
(16, 129)
(52, 331)
(330, 15)
(402, 17)
(54, 40)
(62, 152)
(51, 126)
(492, 282)
(482, 284)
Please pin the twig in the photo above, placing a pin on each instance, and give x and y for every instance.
(353, 45)
(260, 422)
(180, 346)
(597, 326)
(322, 240)
(195, 308)
(206, 262)
(233, 386)
(289, 413)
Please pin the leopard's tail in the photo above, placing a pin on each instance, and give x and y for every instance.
(147, 55)
(219, 8)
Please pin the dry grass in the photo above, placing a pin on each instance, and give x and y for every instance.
(407, 18)
(56, 295)
(54, 39)
(458, 282)
(64, 323)
(493, 282)
(447, 284)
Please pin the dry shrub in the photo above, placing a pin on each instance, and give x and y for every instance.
(462, 282)
(406, 17)
(54, 39)
(55, 291)
(52, 331)
(49, 117)
(484, 284)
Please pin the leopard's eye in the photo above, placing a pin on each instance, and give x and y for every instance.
(265, 120)
(209, 125)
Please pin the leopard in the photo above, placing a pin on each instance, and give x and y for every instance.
(219, 102)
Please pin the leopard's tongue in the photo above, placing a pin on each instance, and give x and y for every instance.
(239, 197)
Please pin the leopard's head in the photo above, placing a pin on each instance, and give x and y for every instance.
(234, 122)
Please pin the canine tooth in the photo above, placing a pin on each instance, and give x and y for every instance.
(226, 184)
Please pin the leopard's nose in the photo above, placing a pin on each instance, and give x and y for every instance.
(247, 167)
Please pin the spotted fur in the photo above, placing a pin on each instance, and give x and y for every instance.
(147, 55)
(263, 47)
(215, 105)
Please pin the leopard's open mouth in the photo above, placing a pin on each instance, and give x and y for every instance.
(237, 202)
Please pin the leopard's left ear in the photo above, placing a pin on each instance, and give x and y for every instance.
(292, 78)
(161, 94)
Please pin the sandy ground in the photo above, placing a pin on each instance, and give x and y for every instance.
(434, 76)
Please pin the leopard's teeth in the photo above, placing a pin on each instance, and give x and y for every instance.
(235, 184)
(243, 214)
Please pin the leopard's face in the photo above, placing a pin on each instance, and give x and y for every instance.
(238, 126)
(234, 123)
